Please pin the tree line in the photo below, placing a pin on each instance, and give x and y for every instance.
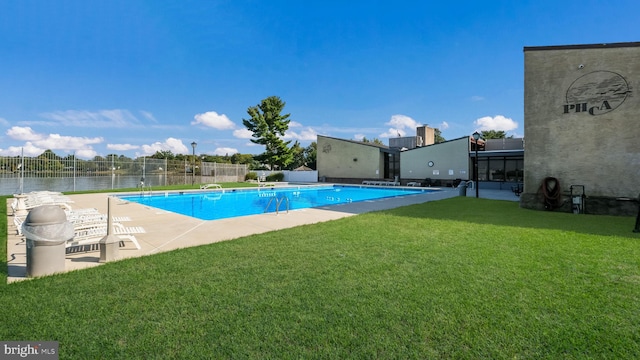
(268, 126)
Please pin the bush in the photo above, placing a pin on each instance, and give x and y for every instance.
(275, 177)
(251, 176)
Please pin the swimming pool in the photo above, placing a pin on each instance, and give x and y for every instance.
(228, 203)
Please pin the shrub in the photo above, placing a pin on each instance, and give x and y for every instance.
(275, 177)
(251, 176)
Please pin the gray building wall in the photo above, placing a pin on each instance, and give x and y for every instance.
(450, 161)
(581, 123)
(342, 159)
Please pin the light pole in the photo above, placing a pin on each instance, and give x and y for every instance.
(193, 167)
(476, 137)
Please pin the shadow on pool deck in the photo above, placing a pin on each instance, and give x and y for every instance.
(167, 231)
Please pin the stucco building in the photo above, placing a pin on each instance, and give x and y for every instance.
(581, 118)
(500, 161)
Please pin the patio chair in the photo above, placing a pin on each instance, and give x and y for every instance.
(208, 186)
(25, 202)
(88, 235)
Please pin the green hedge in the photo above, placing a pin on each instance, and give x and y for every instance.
(275, 177)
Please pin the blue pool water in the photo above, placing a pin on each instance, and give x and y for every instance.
(221, 204)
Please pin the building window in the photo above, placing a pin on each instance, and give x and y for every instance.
(514, 170)
(501, 169)
(482, 169)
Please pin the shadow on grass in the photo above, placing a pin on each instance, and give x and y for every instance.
(509, 213)
(4, 271)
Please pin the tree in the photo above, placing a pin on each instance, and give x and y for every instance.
(311, 155)
(437, 136)
(268, 127)
(238, 158)
(494, 134)
(298, 156)
(163, 154)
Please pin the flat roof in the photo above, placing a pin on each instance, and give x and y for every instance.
(583, 46)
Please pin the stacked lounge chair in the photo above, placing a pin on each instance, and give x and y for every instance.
(90, 226)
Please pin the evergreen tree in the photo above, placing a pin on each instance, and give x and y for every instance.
(268, 126)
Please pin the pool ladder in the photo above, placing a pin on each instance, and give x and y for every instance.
(278, 203)
(147, 189)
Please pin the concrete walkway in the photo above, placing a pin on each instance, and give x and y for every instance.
(166, 231)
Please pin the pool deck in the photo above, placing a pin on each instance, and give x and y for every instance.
(166, 231)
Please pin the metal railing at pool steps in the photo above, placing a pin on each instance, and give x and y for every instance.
(278, 203)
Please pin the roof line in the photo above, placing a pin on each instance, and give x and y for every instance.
(583, 46)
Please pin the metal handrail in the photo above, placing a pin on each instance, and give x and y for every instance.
(278, 203)
(269, 203)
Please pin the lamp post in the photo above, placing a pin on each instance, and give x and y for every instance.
(476, 137)
(193, 167)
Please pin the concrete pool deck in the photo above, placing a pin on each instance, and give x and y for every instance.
(166, 231)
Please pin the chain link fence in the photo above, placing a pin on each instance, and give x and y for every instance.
(50, 172)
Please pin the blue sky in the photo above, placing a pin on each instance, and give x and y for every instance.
(133, 77)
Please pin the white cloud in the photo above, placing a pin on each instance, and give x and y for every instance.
(57, 141)
(86, 153)
(122, 147)
(477, 98)
(359, 137)
(28, 150)
(400, 124)
(23, 133)
(443, 126)
(149, 116)
(102, 118)
(214, 120)
(393, 132)
(402, 121)
(36, 142)
(498, 123)
(307, 134)
(172, 144)
(225, 151)
(4, 122)
(243, 133)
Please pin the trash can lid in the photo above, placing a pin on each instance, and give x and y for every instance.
(45, 215)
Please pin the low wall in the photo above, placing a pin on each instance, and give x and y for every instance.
(292, 176)
(594, 205)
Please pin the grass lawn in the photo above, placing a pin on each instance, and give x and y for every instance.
(462, 278)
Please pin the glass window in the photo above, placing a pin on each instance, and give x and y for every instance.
(501, 169)
(496, 169)
(514, 170)
(482, 169)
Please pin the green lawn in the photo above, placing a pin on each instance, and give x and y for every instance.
(462, 278)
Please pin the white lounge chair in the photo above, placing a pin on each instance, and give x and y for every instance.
(89, 235)
(81, 218)
(395, 182)
(209, 186)
(25, 202)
